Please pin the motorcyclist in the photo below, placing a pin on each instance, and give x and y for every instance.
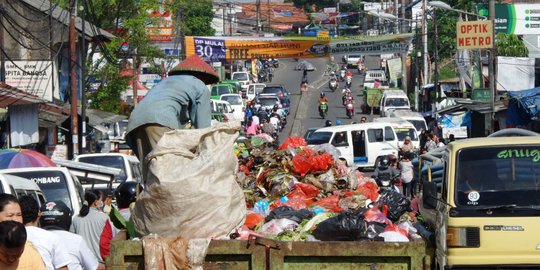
(338, 122)
(328, 123)
(384, 171)
(323, 98)
(333, 75)
(270, 73)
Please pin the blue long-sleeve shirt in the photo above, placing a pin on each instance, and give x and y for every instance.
(173, 102)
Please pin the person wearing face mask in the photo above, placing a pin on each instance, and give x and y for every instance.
(90, 221)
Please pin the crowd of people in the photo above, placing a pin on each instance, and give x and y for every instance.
(47, 237)
(263, 120)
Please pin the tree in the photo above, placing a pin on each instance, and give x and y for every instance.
(510, 45)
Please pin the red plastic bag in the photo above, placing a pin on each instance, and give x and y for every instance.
(321, 162)
(310, 190)
(305, 162)
(293, 142)
(375, 215)
(369, 189)
(330, 203)
(253, 219)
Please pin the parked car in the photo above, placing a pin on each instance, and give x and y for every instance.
(57, 183)
(236, 103)
(223, 107)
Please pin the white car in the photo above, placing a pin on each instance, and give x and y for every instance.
(254, 89)
(235, 100)
(352, 60)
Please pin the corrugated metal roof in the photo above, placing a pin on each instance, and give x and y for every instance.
(92, 32)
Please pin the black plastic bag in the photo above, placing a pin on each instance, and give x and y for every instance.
(347, 226)
(289, 213)
(374, 229)
(397, 204)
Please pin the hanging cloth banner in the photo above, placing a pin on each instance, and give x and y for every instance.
(219, 49)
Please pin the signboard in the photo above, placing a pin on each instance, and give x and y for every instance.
(394, 68)
(323, 33)
(371, 45)
(161, 28)
(481, 94)
(34, 77)
(213, 49)
(474, 35)
(517, 19)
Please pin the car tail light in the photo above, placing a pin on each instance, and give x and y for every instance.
(463, 237)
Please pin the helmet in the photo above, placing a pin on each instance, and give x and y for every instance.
(55, 215)
(392, 158)
(338, 122)
(322, 94)
(328, 123)
(125, 194)
(384, 163)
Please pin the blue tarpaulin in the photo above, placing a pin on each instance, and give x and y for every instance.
(523, 106)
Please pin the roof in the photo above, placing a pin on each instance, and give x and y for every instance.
(406, 113)
(92, 32)
(494, 141)
(128, 157)
(20, 183)
(97, 117)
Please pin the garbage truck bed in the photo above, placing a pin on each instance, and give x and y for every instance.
(262, 254)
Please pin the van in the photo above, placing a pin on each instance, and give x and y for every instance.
(220, 89)
(360, 144)
(129, 166)
(403, 128)
(19, 187)
(415, 118)
(236, 85)
(393, 100)
(224, 107)
(56, 183)
(243, 77)
(374, 75)
(254, 89)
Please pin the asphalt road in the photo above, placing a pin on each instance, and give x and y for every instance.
(304, 106)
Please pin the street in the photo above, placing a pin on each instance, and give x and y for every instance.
(304, 106)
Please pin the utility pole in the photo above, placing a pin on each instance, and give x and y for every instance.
(2, 53)
(258, 8)
(135, 78)
(224, 25)
(492, 65)
(416, 69)
(396, 13)
(425, 43)
(83, 76)
(73, 79)
(230, 20)
(435, 57)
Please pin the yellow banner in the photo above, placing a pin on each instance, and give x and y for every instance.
(214, 49)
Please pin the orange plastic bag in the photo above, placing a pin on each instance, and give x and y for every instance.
(310, 190)
(305, 162)
(369, 189)
(253, 219)
(330, 203)
(293, 142)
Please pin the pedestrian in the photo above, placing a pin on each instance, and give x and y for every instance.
(107, 204)
(305, 76)
(56, 218)
(251, 127)
(15, 251)
(407, 146)
(90, 221)
(267, 128)
(430, 143)
(407, 175)
(10, 208)
(180, 99)
(51, 247)
(363, 119)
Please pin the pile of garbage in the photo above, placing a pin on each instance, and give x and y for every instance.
(301, 193)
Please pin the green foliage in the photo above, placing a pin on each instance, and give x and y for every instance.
(510, 45)
(448, 71)
(194, 17)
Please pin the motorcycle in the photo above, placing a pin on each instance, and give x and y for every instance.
(386, 182)
(333, 84)
(274, 62)
(342, 75)
(349, 107)
(323, 109)
(348, 82)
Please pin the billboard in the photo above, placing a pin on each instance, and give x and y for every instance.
(34, 77)
(517, 19)
(162, 28)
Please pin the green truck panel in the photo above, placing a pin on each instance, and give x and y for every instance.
(262, 254)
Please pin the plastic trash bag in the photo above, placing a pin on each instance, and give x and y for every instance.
(277, 226)
(305, 162)
(310, 190)
(369, 189)
(261, 139)
(375, 215)
(289, 213)
(347, 226)
(396, 202)
(330, 203)
(374, 229)
(327, 181)
(293, 142)
(392, 236)
(253, 219)
(327, 148)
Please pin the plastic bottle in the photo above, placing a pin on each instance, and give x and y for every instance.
(262, 208)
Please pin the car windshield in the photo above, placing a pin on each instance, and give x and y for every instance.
(233, 100)
(319, 137)
(266, 102)
(52, 183)
(502, 175)
(354, 56)
(396, 102)
(116, 162)
(240, 76)
(272, 90)
(404, 132)
(418, 124)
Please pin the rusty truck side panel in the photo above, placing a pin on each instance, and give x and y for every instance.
(262, 254)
